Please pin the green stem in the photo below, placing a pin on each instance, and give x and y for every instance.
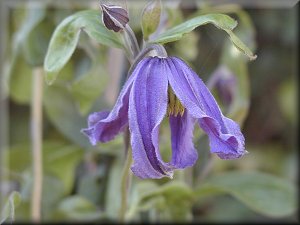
(126, 178)
(135, 49)
(159, 49)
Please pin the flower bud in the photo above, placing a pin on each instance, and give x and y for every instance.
(114, 17)
(151, 18)
(225, 83)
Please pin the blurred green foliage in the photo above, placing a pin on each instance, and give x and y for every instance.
(82, 183)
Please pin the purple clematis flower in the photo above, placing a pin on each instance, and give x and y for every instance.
(160, 86)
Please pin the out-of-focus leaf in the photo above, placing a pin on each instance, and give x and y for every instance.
(151, 18)
(36, 43)
(62, 112)
(59, 159)
(87, 88)
(18, 158)
(18, 126)
(237, 64)
(52, 193)
(262, 193)
(187, 46)
(112, 148)
(138, 191)
(8, 211)
(287, 98)
(59, 162)
(65, 38)
(19, 73)
(240, 45)
(225, 209)
(173, 199)
(62, 162)
(113, 197)
(221, 21)
(23, 211)
(20, 79)
(34, 16)
(91, 186)
(76, 208)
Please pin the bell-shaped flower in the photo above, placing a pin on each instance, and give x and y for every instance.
(158, 87)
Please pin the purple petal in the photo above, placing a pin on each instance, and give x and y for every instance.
(148, 104)
(224, 134)
(104, 127)
(183, 151)
(92, 121)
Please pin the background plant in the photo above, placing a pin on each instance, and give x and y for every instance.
(82, 182)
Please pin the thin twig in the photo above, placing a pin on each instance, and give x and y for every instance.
(36, 141)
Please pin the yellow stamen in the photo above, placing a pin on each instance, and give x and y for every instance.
(175, 107)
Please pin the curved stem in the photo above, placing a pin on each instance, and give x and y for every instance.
(36, 139)
(126, 177)
(159, 49)
(134, 46)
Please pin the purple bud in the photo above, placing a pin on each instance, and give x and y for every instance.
(114, 17)
(225, 83)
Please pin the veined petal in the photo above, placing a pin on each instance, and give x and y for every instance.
(224, 134)
(183, 152)
(104, 127)
(148, 104)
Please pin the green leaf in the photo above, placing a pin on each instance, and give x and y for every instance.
(187, 47)
(176, 33)
(113, 191)
(20, 79)
(19, 73)
(263, 193)
(62, 163)
(173, 199)
(221, 21)
(59, 159)
(33, 19)
(151, 18)
(77, 208)
(287, 99)
(92, 186)
(35, 45)
(87, 88)
(65, 38)
(231, 57)
(8, 211)
(52, 194)
(62, 112)
(240, 45)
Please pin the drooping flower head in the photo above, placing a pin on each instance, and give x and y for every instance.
(160, 87)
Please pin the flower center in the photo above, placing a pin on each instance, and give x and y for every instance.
(175, 107)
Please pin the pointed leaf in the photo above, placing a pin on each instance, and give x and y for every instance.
(8, 212)
(65, 38)
(263, 193)
(221, 21)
